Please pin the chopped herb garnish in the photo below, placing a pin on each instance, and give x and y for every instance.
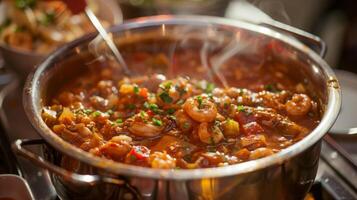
(96, 114)
(119, 121)
(48, 18)
(146, 105)
(165, 97)
(171, 111)
(199, 100)
(109, 112)
(167, 85)
(186, 125)
(131, 106)
(181, 91)
(87, 111)
(136, 89)
(271, 88)
(240, 108)
(143, 116)
(226, 105)
(6, 23)
(157, 122)
(210, 87)
(154, 107)
(22, 4)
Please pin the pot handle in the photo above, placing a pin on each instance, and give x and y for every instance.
(312, 41)
(18, 147)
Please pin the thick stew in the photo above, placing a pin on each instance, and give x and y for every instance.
(183, 122)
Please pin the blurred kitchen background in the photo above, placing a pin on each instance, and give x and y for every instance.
(335, 21)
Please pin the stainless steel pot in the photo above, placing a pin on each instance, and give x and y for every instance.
(285, 175)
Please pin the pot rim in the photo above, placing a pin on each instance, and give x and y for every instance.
(329, 117)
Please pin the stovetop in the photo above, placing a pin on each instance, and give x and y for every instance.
(336, 177)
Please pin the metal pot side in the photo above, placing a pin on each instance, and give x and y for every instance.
(285, 175)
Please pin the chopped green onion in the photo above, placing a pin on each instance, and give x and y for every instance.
(210, 87)
(157, 122)
(200, 100)
(240, 108)
(167, 85)
(165, 97)
(181, 91)
(271, 88)
(96, 114)
(171, 111)
(154, 107)
(186, 125)
(119, 121)
(136, 89)
(146, 105)
(143, 115)
(109, 112)
(22, 4)
(48, 18)
(87, 111)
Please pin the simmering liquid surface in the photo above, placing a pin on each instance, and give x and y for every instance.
(183, 121)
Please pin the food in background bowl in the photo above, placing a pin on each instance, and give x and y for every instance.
(41, 26)
(183, 122)
(31, 29)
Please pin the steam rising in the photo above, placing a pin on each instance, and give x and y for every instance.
(230, 43)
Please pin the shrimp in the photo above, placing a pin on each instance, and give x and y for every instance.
(172, 91)
(200, 109)
(183, 121)
(162, 160)
(299, 105)
(145, 129)
(115, 150)
(209, 135)
(260, 153)
(270, 118)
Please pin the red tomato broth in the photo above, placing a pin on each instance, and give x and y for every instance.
(112, 116)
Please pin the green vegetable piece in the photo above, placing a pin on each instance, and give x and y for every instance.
(157, 122)
(210, 87)
(22, 4)
(165, 97)
(240, 108)
(171, 111)
(96, 113)
(136, 89)
(200, 100)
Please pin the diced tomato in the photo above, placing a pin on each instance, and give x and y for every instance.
(150, 112)
(144, 92)
(252, 128)
(244, 118)
(139, 152)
